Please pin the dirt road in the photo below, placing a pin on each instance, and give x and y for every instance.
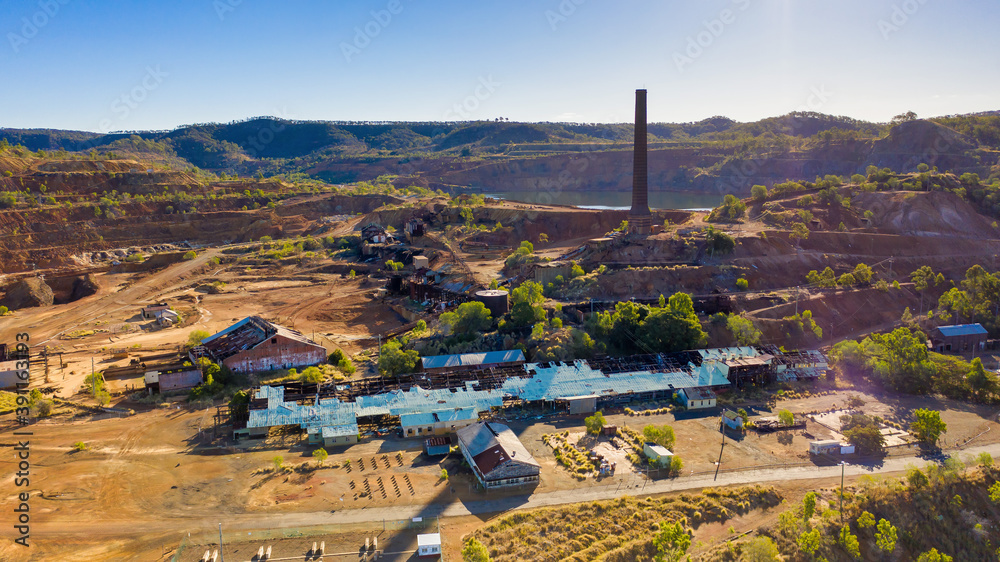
(119, 528)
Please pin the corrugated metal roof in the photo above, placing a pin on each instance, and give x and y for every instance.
(430, 418)
(472, 359)
(558, 381)
(962, 330)
(332, 431)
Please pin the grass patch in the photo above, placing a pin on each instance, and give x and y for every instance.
(614, 530)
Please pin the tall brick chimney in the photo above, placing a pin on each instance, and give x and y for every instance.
(639, 218)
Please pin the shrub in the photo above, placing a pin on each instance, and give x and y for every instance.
(195, 337)
(190, 255)
(595, 423)
(44, 408)
(742, 284)
(79, 446)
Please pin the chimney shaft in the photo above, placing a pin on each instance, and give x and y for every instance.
(640, 219)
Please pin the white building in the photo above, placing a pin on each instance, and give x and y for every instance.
(429, 545)
(696, 398)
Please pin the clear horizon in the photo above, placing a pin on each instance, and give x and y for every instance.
(127, 65)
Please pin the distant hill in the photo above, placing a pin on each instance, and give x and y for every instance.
(716, 154)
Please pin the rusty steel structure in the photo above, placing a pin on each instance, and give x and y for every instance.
(639, 218)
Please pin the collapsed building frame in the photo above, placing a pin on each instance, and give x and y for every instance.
(334, 413)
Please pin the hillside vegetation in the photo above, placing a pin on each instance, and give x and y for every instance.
(715, 154)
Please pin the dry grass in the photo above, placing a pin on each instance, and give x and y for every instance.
(613, 530)
(952, 512)
(574, 460)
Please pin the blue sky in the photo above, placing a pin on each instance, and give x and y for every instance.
(123, 65)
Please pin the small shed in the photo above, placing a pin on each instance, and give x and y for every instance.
(437, 446)
(732, 420)
(438, 422)
(334, 435)
(959, 337)
(167, 317)
(429, 545)
(420, 262)
(609, 430)
(824, 447)
(657, 454)
(696, 398)
(150, 312)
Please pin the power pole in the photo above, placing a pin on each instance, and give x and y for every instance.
(842, 465)
(222, 556)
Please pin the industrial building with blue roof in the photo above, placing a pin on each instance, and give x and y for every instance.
(425, 412)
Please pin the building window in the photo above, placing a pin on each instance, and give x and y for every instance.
(274, 340)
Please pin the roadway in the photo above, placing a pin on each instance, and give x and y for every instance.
(43, 525)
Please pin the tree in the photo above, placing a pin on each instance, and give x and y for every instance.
(786, 417)
(885, 538)
(576, 271)
(475, 551)
(44, 408)
(278, 462)
(866, 520)
(443, 474)
(671, 542)
(336, 356)
(916, 477)
(758, 193)
(195, 337)
(809, 506)
(320, 455)
(719, 242)
(995, 492)
(850, 542)
(809, 542)
(761, 549)
(933, 555)
(311, 375)
(595, 423)
(863, 432)
(525, 303)
(863, 274)
(981, 382)
(661, 435)
(468, 318)
(799, 232)
(742, 284)
(743, 330)
(846, 280)
(928, 427)
(394, 360)
(670, 329)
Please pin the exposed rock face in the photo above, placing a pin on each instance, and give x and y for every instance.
(84, 287)
(27, 293)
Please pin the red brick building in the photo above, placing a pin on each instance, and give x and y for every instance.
(255, 345)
